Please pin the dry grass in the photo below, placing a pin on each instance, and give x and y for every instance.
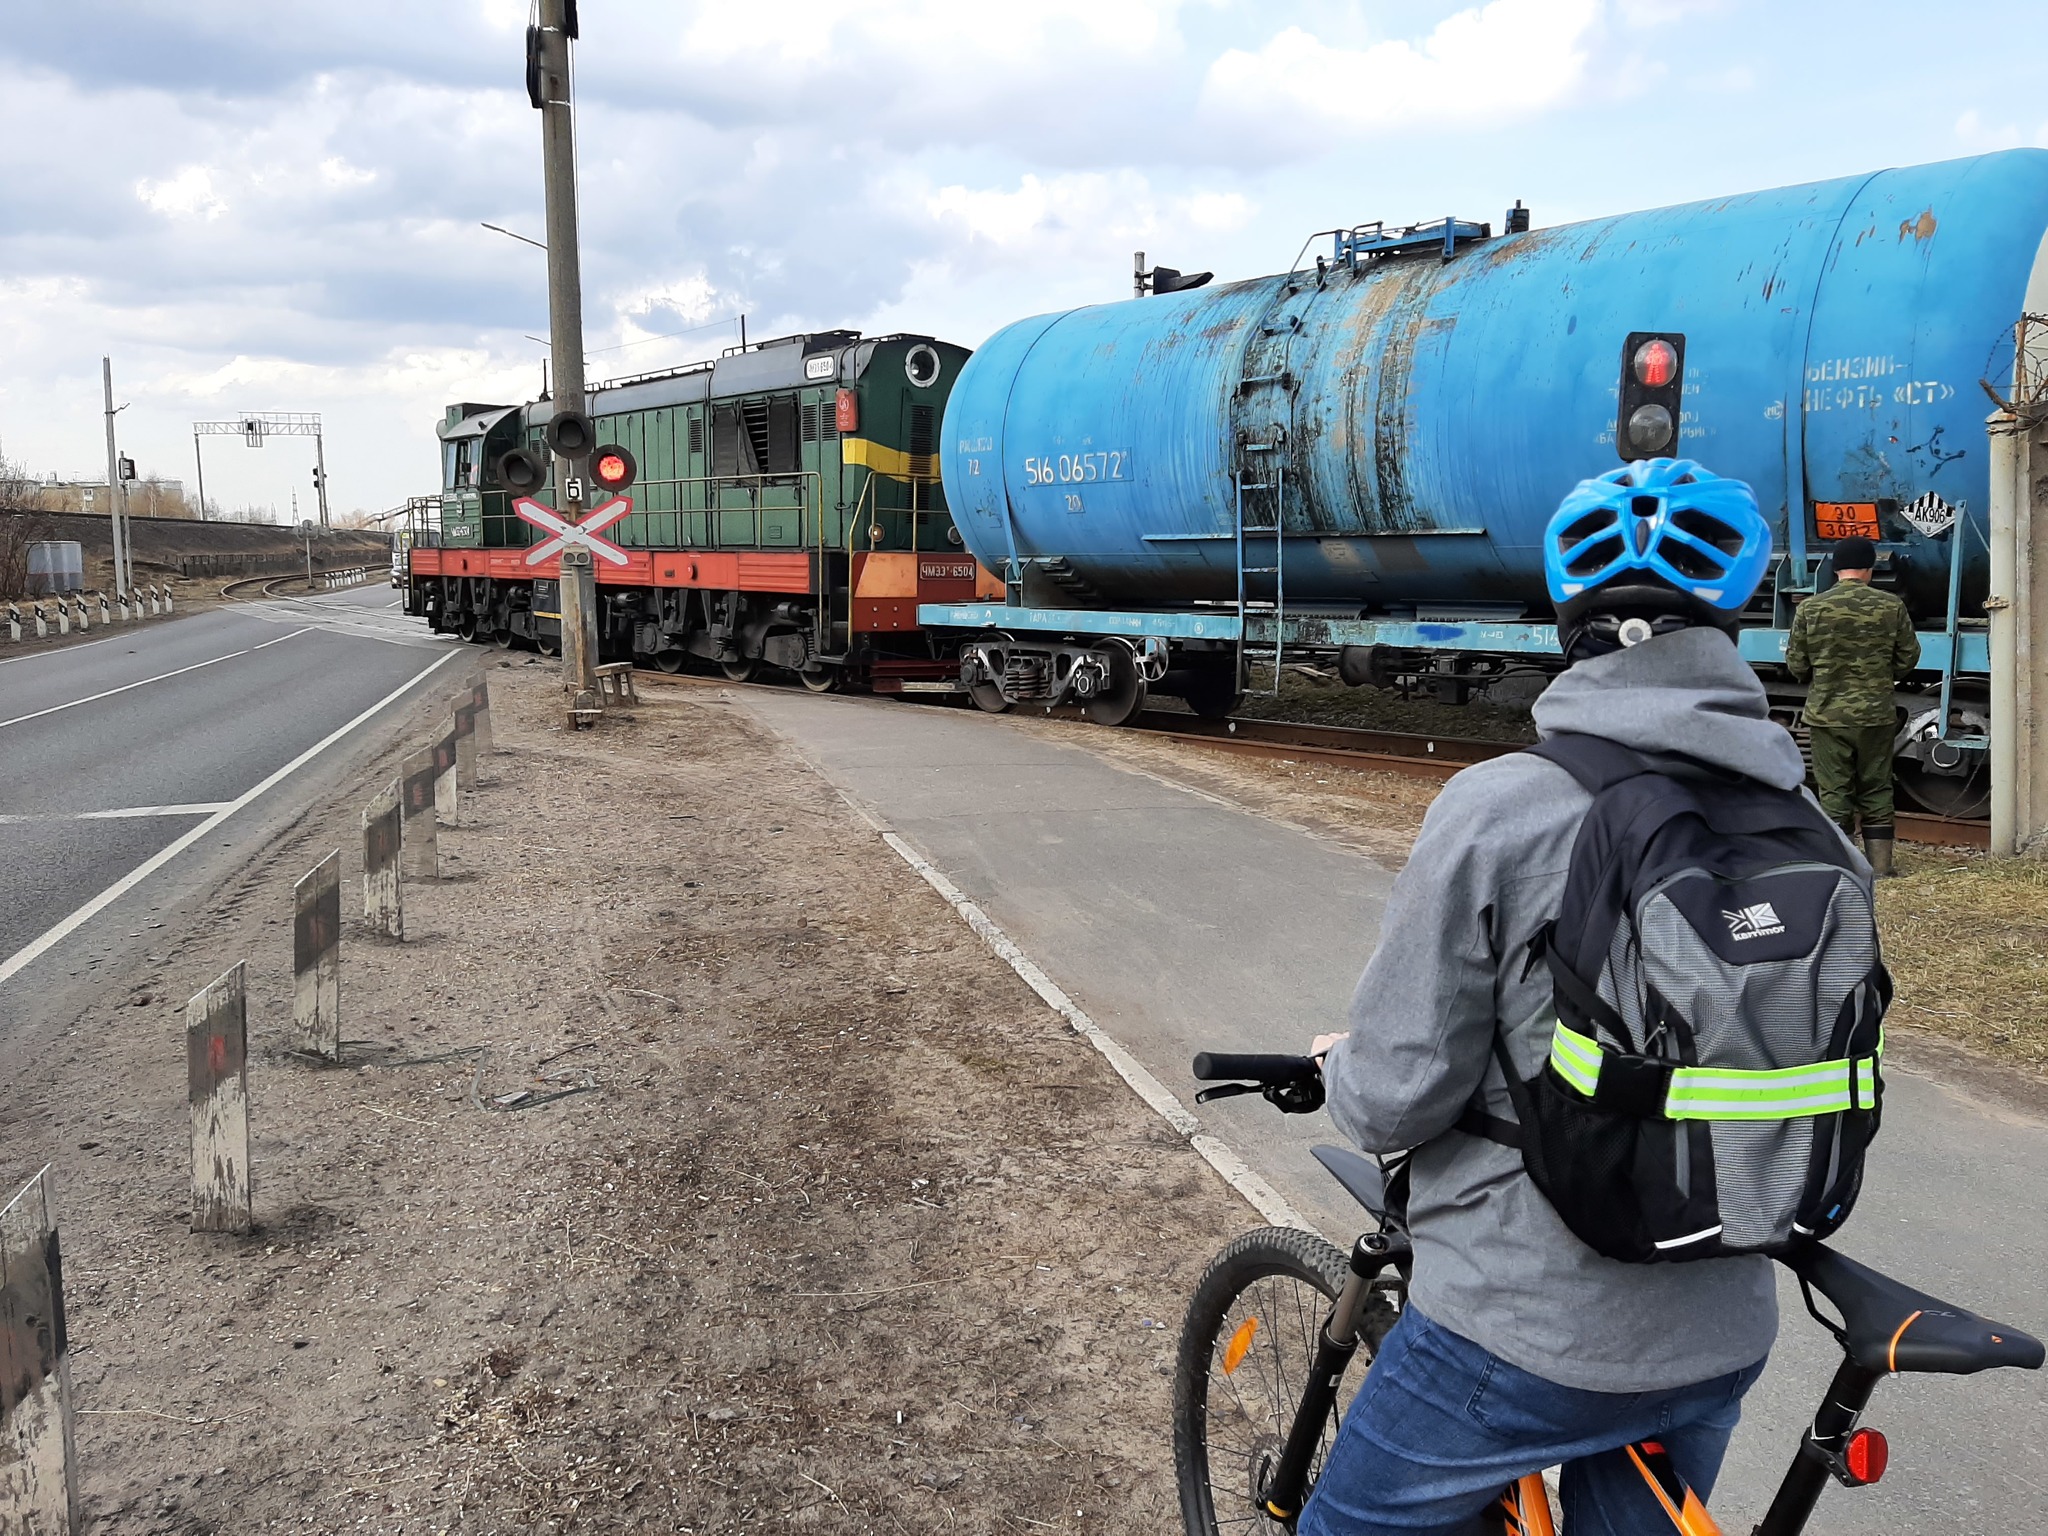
(1966, 938)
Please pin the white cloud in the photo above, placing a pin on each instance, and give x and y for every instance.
(1981, 137)
(1493, 62)
(188, 194)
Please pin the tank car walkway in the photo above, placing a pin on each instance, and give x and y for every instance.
(1181, 923)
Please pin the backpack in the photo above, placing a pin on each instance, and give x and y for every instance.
(1713, 1076)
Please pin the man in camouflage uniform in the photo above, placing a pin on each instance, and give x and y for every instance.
(1849, 645)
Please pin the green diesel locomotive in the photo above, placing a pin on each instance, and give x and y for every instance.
(787, 513)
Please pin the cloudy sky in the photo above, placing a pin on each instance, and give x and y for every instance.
(277, 206)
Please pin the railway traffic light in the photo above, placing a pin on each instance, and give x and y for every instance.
(520, 472)
(572, 434)
(1652, 395)
(319, 476)
(613, 468)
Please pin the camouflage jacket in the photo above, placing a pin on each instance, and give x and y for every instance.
(1849, 644)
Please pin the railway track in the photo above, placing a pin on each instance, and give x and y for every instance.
(270, 586)
(1419, 756)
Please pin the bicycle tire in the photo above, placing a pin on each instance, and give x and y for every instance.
(1302, 1262)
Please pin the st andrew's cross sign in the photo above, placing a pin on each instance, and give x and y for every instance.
(587, 534)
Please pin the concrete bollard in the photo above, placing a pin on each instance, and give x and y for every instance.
(63, 617)
(447, 793)
(106, 614)
(480, 697)
(167, 599)
(316, 959)
(383, 838)
(217, 1077)
(42, 626)
(420, 856)
(84, 614)
(13, 622)
(463, 713)
(38, 1459)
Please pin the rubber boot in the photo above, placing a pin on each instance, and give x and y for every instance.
(1877, 847)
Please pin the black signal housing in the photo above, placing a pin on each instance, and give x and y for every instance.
(613, 467)
(571, 434)
(1647, 424)
(519, 471)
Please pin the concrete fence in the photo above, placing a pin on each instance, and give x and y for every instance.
(38, 1477)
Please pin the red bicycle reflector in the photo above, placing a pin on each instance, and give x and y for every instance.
(1655, 364)
(1866, 1455)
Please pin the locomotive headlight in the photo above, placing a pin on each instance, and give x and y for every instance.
(1655, 364)
(1649, 430)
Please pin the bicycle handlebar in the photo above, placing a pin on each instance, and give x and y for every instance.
(1211, 1066)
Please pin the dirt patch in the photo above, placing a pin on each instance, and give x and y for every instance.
(698, 1171)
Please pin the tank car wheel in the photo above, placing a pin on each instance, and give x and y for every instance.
(670, 660)
(1966, 795)
(988, 698)
(741, 671)
(1212, 695)
(822, 680)
(1121, 702)
(503, 639)
(548, 645)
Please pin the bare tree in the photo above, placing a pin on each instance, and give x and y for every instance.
(20, 491)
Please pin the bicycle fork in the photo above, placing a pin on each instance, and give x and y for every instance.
(1372, 1254)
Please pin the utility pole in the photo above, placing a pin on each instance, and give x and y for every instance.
(551, 81)
(199, 463)
(114, 487)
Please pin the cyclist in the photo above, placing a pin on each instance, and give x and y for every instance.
(1521, 1347)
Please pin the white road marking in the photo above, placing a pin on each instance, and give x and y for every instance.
(141, 872)
(60, 650)
(94, 698)
(203, 808)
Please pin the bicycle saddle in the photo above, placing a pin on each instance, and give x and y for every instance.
(1888, 1326)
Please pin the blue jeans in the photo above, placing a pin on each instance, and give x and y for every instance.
(1441, 1426)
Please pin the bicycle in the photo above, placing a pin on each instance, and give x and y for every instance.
(1299, 1310)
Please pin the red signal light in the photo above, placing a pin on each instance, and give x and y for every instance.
(613, 468)
(1656, 364)
(1866, 1456)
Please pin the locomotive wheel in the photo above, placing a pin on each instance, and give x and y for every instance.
(1120, 702)
(741, 671)
(548, 645)
(503, 639)
(988, 697)
(467, 628)
(670, 661)
(822, 680)
(1966, 795)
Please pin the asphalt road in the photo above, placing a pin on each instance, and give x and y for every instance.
(117, 749)
(1181, 924)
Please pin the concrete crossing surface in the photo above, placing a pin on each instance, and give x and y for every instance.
(1182, 924)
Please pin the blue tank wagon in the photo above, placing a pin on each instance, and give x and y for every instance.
(1358, 456)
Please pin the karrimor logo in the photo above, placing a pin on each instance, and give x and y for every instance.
(1757, 922)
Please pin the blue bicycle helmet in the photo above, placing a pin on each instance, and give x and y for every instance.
(1660, 540)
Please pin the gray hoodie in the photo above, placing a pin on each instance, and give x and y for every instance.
(1493, 1261)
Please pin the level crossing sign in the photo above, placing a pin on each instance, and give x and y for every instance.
(587, 534)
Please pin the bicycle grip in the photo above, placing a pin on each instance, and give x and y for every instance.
(1210, 1066)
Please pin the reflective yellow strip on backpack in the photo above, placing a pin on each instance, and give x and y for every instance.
(1576, 1058)
(1826, 1088)
(1719, 1093)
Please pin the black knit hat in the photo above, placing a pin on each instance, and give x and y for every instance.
(1855, 553)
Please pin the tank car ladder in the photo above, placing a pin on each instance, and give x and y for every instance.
(1274, 487)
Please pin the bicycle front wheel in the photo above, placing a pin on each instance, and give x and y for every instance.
(1245, 1354)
